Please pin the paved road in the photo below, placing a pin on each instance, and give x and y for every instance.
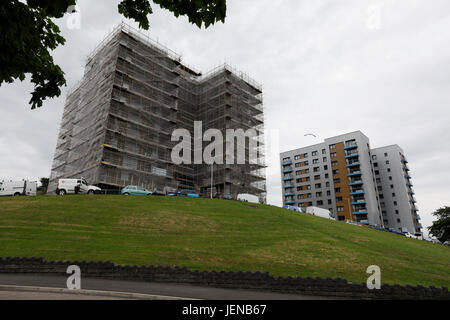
(161, 289)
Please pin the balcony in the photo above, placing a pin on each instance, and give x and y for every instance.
(355, 183)
(350, 146)
(357, 192)
(355, 203)
(286, 163)
(407, 176)
(353, 164)
(360, 212)
(288, 170)
(288, 186)
(290, 194)
(353, 174)
(353, 155)
(289, 202)
(288, 178)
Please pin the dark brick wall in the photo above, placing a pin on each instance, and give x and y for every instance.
(223, 279)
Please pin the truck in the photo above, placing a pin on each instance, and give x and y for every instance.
(75, 186)
(18, 188)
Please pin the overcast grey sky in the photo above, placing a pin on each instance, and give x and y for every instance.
(327, 66)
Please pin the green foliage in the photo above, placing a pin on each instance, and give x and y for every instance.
(441, 228)
(28, 34)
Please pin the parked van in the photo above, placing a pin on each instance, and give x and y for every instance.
(18, 188)
(319, 212)
(75, 186)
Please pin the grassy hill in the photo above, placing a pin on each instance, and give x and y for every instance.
(212, 235)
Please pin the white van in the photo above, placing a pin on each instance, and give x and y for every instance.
(248, 198)
(18, 188)
(319, 212)
(75, 186)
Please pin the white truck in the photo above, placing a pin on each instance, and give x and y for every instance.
(18, 188)
(319, 212)
(75, 186)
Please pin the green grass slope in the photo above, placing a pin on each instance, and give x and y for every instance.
(208, 234)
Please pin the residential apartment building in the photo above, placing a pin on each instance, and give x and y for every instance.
(339, 174)
(117, 124)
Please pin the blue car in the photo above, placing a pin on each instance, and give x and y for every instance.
(188, 193)
(135, 191)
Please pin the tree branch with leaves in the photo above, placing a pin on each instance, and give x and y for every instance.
(28, 35)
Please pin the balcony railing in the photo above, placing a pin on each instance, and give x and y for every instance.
(353, 164)
(286, 162)
(355, 183)
(288, 178)
(349, 146)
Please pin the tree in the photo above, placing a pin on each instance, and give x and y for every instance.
(441, 228)
(28, 34)
(44, 184)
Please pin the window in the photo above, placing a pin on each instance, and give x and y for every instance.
(388, 169)
(318, 185)
(339, 199)
(330, 202)
(375, 164)
(335, 172)
(393, 194)
(396, 211)
(337, 190)
(325, 167)
(298, 180)
(315, 161)
(327, 184)
(318, 194)
(392, 186)
(305, 155)
(381, 196)
(337, 181)
(383, 205)
(378, 180)
(377, 172)
(286, 159)
(306, 171)
(324, 151)
(332, 146)
(333, 155)
(319, 202)
(316, 169)
(328, 193)
(398, 220)
(390, 178)
(298, 172)
(298, 165)
(380, 188)
(317, 177)
(314, 153)
(395, 203)
(326, 175)
(340, 209)
(387, 161)
(324, 159)
(385, 154)
(297, 157)
(374, 157)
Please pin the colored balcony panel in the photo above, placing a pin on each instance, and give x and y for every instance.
(287, 163)
(360, 212)
(290, 194)
(351, 146)
(287, 170)
(358, 202)
(353, 155)
(288, 178)
(289, 202)
(354, 164)
(355, 193)
(354, 174)
(356, 183)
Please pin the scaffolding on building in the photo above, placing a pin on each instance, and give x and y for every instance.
(118, 120)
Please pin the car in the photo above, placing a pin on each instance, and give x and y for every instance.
(135, 191)
(188, 193)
